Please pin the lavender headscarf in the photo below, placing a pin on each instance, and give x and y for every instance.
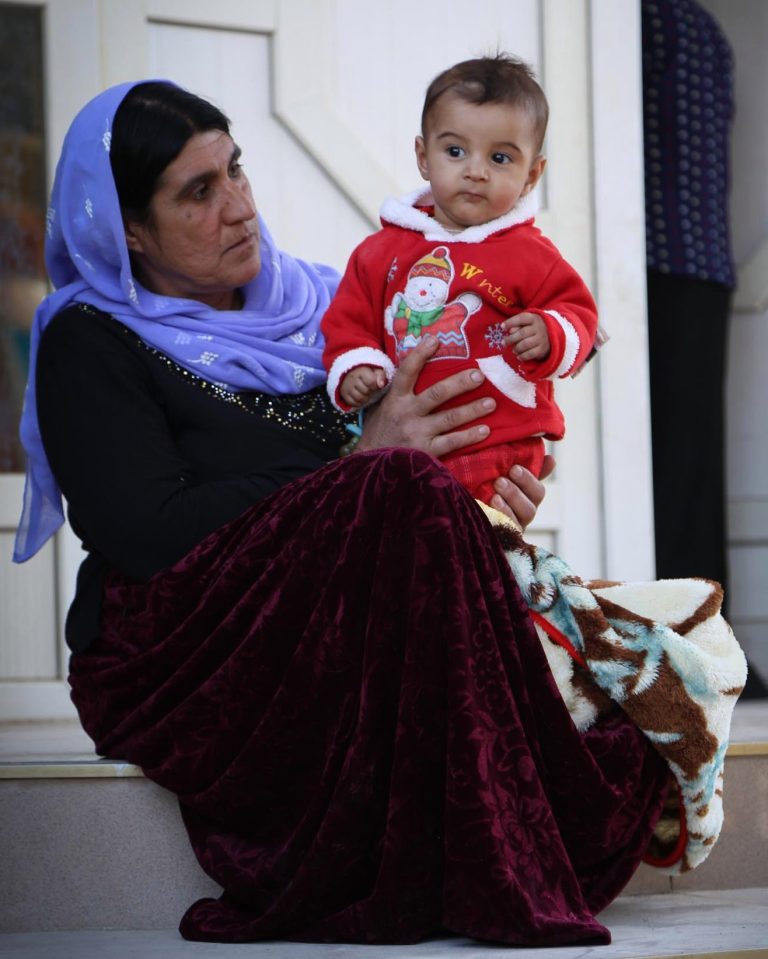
(272, 344)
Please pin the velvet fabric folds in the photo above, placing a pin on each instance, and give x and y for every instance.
(345, 691)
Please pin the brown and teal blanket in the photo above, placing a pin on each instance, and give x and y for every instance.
(664, 653)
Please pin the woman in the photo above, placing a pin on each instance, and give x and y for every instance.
(330, 665)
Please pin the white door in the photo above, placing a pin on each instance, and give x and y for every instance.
(325, 98)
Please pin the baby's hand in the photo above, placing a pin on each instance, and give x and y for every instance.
(359, 385)
(527, 335)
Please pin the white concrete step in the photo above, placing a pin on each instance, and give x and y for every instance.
(725, 925)
(89, 844)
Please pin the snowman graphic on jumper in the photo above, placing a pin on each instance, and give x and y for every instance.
(424, 307)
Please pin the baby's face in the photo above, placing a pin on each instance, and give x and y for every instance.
(479, 159)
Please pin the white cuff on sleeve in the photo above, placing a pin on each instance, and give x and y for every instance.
(572, 341)
(360, 356)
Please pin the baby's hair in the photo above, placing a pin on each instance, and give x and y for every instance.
(497, 79)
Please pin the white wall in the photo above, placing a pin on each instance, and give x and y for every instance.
(745, 23)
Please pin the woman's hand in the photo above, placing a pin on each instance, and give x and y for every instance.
(520, 494)
(405, 418)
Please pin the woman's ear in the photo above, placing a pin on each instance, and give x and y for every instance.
(133, 236)
(534, 173)
(421, 157)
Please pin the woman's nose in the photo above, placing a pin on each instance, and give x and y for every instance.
(239, 205)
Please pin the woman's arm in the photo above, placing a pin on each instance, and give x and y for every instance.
(112, 435)
(415, 420)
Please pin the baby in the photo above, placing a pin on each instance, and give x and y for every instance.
(463, 261)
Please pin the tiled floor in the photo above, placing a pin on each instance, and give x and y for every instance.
(726, 924)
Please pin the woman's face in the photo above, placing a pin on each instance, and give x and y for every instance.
(201, 239)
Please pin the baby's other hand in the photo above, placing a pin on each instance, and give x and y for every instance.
(360, 384)
(527, 335)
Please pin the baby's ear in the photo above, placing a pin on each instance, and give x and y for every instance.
(421, 157)
(534, 173)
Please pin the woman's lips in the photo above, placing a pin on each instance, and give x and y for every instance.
(244, 243)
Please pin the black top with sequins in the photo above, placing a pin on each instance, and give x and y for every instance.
(151, 458)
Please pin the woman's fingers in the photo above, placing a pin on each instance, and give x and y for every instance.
(447, 426)
(445, 443)
(520, 495)
(402, 420)
(411, 365)
(420, 420)
(438, 393)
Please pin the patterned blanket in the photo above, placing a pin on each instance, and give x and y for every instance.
(664, 653)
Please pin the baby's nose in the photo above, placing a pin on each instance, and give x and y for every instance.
(477, 169)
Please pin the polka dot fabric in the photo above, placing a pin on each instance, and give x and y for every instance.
(688, 110)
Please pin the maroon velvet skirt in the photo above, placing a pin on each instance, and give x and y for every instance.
(345, 692)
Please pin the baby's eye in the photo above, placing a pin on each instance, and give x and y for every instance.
(501, 158)
(455, 152)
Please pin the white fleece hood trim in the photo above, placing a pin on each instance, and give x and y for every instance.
(402, 212)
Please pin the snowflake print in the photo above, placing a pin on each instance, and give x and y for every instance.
(183, 338)
(133, 296)
(204, 336)
(50, 219)
(494, 336)
(205, 358)
(107, 140)
(299, 373)
(298, 338)
(89, 207)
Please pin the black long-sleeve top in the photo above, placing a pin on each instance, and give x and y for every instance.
(150, 458)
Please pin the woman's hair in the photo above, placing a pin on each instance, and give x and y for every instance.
(497, 79)
(150, 128)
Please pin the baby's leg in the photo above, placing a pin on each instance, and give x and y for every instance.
(477, 471)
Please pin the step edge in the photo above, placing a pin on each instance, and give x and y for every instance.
(755, 748)
(745, 952)
(748, 952)
(91, 769)
(116, 769)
